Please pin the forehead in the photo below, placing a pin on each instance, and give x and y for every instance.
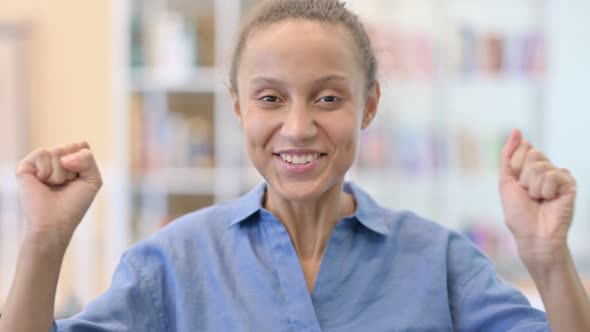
(300, 49)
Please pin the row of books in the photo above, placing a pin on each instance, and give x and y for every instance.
(177, 139)
(462, 52)
(168, 42)
(166, 137)
(426, 150)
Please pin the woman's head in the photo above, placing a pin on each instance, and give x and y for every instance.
(303, 86)
(322, 11)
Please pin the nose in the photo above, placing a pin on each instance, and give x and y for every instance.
(298, 124)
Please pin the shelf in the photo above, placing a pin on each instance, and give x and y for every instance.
(498, 15)
(249, 177)
(451, 91)
(389, 174)
(193, 8)
(195, 79)
(195, 180)
(426, 183)
(494, 86)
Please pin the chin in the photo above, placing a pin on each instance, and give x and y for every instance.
(303, 190)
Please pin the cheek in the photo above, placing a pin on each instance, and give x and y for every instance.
(353, 141)
(258, 130)
(346, 133)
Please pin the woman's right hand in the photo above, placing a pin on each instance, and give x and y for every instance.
(56, 188)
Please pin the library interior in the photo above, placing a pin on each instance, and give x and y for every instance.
(145, 83)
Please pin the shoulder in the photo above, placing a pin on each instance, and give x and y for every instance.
(409, 223)
(462, 258)
(395, 224)
(187, 237)
(415, 233)
(412, 234)
(207, 221)
(419, 237)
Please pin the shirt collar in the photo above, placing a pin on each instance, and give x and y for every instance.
(247, 204)
(368, 212)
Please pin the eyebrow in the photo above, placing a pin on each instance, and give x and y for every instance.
(324, 79)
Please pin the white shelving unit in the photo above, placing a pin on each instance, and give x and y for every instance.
(454, 79)
(457, 76)
(182, 144)
(410, 158)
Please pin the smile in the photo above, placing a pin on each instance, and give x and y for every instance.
(299, 159)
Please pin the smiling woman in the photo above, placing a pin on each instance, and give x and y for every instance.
(301, 96)
(305, 250)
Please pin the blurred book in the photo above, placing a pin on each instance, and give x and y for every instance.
(173, 130)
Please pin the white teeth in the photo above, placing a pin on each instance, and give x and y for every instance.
(299, 159)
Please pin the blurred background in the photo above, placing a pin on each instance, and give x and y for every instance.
(144, 81)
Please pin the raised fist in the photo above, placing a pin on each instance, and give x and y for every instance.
(56, 188)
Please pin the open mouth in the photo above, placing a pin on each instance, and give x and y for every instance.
(299, 159)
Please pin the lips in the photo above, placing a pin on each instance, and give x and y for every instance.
(299, 161)
(299, 157)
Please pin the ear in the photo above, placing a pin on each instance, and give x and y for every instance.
(236, 104)
(371, 105)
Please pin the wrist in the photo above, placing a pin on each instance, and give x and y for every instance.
(542, 262)
(46, 244)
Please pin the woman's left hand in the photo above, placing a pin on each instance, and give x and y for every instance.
(538, 200)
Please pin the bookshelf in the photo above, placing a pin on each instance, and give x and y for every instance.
(456, 76)
(183, 143)
(140, 199)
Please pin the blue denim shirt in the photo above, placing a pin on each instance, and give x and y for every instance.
(233, 267)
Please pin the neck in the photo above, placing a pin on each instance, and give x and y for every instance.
(310, 222)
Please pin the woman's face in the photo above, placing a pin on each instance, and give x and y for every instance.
(302, 101)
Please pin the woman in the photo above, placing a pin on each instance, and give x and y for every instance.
(305, 251)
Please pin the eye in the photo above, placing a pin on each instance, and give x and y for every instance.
(329, 99)
(270, 99)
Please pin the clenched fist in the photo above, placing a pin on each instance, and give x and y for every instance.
(538, 199)
(56, 188)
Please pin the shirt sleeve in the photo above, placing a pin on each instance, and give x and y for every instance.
(128, 305)
(480, 301)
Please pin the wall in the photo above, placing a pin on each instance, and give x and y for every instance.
(68, 69)
(69, 94)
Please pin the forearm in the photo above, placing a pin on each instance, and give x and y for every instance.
(30, 303)
(565, 300)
